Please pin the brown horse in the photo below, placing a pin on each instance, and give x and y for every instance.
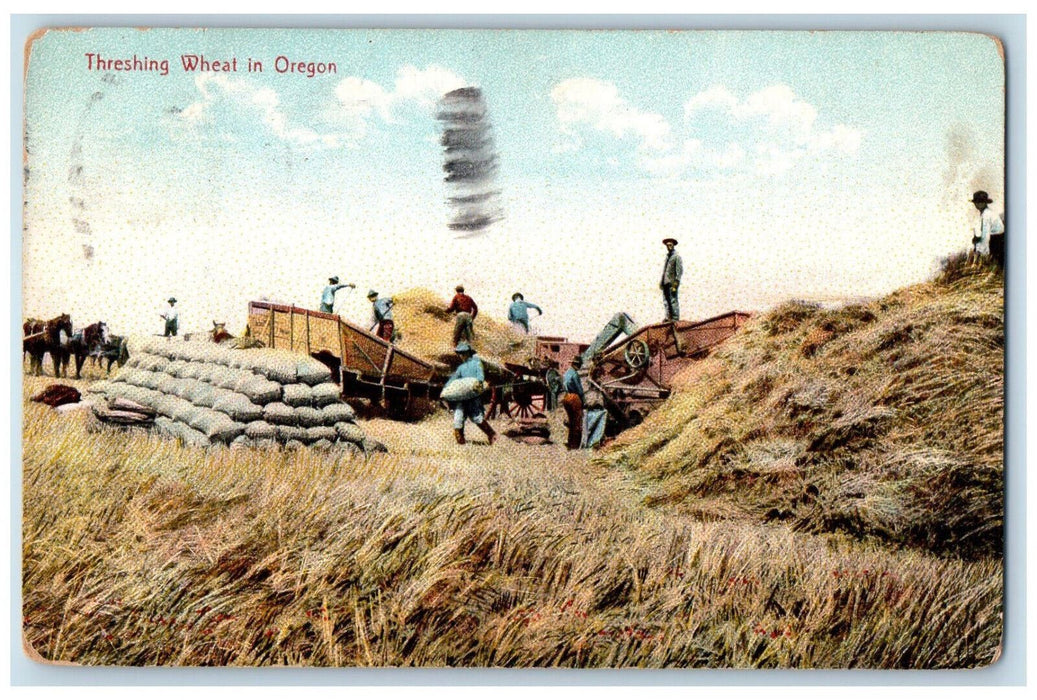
(89, 341)
(53, 336)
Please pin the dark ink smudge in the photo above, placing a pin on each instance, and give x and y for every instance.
(469, 160)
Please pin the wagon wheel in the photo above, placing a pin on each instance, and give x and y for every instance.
(523, 403)
(637, 354)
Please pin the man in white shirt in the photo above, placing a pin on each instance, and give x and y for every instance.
(989, 225)
(172, 317)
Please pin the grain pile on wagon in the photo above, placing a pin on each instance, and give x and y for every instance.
(427, 331)
(206, 394)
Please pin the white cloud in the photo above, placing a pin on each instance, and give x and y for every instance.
(598, 105)
(356, 101)
(768, 132)
(264, 102)
(359, 100)
(775, 119)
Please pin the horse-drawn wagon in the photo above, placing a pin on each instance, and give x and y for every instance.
(634, 374)
(365, 365)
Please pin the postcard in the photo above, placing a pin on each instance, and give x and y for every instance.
(513, 348)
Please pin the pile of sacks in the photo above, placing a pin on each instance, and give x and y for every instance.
(205, 394)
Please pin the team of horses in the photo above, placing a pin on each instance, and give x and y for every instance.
(56, 338)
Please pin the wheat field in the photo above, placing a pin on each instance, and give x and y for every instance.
(137, 551)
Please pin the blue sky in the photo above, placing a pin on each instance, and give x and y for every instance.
(824, 165)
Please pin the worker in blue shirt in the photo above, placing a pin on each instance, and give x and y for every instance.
(470, 409)
(518, 312)
(327, 297)
(381, 313)
(572, 402)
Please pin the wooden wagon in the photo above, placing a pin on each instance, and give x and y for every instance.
(531, 390)
(634, 374)
(365, 365)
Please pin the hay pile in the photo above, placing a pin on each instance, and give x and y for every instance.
(428, 331)
(881, 420)
(205, 394)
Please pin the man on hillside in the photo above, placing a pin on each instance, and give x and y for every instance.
(470, 409)
(673, 268)
(989, 226)
(172, 318)
(572, 402)
(518, 312)
(381, 310)
(466, 309)
(327, 297)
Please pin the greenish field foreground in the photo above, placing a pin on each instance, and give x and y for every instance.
(662, 552)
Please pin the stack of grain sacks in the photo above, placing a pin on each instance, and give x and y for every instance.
(206, 394)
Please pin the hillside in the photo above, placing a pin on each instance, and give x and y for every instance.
(881, 420)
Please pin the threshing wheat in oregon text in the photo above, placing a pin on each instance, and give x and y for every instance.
(198, 63)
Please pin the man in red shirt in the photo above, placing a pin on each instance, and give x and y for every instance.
(466, 309)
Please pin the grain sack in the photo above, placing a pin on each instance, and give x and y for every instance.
(308, 417)
(349, 432)
(99, 387)
(278, 368)
(240, 442)
(293, 445)
(311, 371)
(202, 394)
(132, 376)
(322, 445)
(152, 363)
(167, 384)
(266, 444)
(286, 433)
(207, 372)
(321, 432)
(175, 367)
(149, 379)
(279, 414)
(259, 390)
(228, 377)
(215, 425)
(237, 406)
(179, 431)
(184, 386)
(325, 393)
(141, 395)
(134, 362)
(167, 405)
(261, 430)
(191, 370)
(298, 395)
(337, 413)
(183, 411)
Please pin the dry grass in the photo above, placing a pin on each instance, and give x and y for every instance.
(882, 420)
(138, 551)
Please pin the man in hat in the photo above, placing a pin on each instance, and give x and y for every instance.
(673, 268)
(381, 310)
(518, 312)
(327, 297)
(572, 402)
(466, 309)
(172, 318)
(470, 409)
(989, 225)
